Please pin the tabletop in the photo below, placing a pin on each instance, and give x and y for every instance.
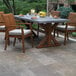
(46, 19)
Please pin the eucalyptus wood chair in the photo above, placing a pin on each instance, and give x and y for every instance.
(68, 27)
(12, 30)
(55, 13)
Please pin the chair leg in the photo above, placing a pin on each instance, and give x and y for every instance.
(6, 43)
(4, 38)
(14, 41)
(32, 41)
(57, 34)
(65, 38)
(8, 40)
(23, 48)
(54, 32)
(38, 31)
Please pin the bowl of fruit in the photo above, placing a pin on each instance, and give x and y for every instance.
(42, 14)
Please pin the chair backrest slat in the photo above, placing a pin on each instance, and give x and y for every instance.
(9, 19)
(72, 19)
(1, 18)
(55, 13)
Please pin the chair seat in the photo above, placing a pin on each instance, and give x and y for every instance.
(18, 32)
(41, 29)
(2, 27)
(62, 27)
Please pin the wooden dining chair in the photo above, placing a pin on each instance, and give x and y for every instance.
(16, 31)
(2, 26)
(55, 13)
(69, 27)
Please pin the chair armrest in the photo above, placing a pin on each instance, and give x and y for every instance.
(23, 23)
(17, 20)
(28, 24)
(72, 24)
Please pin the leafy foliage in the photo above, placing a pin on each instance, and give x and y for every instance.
(24, 6)
(64, 11)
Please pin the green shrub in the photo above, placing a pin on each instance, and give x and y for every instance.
(25, 7)
(64, 11)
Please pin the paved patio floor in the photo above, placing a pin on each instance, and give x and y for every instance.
(52, 61)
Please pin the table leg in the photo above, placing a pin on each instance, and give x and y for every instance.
(56, 43)
(44, 43)
(49, 40)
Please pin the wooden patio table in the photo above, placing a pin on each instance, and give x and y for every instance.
(48, 24)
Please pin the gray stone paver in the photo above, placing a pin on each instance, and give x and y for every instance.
(52, 61)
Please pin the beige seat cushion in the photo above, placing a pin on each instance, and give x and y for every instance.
(2, 27)
(18, 32)
(41, 29)
(62, 27)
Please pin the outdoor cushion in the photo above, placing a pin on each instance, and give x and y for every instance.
(18, 32)
(41, 29)
(62, 27)
(2, 27)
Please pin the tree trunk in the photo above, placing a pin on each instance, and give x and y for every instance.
(10, 7)
(14, 7)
